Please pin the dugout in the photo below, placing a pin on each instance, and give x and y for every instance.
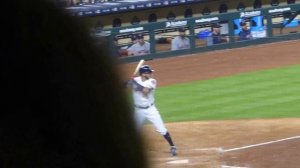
(265, 19)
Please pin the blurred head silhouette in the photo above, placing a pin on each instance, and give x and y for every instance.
(55, 89)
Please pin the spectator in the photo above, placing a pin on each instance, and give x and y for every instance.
(245, 33)
(62, 100)
(180, 42)
(141, 47)
(216, 37)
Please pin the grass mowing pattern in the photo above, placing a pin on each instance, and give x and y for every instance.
(271, 93)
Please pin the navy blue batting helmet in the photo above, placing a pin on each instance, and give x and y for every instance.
(145, 69)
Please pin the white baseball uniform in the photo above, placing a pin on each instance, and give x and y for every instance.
(138, 49)
(144, 106)
(179, 43)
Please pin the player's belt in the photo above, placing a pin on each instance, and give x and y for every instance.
(143, 107)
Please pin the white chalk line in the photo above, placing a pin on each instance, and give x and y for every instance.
(206, 149)
(221, 150)
(183, 161)
(259, 144)
(224, 166)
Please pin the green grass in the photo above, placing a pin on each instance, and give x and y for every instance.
(271, 93)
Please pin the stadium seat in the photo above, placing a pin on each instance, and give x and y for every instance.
(257, 4)
(223, 8)
(152, 18)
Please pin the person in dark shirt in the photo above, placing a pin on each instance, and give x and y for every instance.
(245, 33)
(217, 38)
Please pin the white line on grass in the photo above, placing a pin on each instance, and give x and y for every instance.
(260, 144)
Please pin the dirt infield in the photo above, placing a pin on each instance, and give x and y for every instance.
(204, 144)
(272, 143)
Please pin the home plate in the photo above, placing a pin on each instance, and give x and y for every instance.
(179, 161)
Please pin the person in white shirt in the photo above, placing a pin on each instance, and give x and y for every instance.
(141, 47)
(143, 88)
(180, 42)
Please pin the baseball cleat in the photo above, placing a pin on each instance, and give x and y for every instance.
(173, 150)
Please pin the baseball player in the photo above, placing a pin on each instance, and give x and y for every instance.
(217, 37)
(245, 33)
(141, 47)
(143, 88)
(181, 42)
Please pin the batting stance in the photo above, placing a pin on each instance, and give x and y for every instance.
(143, 88)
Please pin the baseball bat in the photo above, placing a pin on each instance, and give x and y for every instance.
(141, 62)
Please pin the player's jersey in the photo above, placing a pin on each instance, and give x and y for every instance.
(139, 49)
(143, 100)
(245, 34)
(179, 43)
